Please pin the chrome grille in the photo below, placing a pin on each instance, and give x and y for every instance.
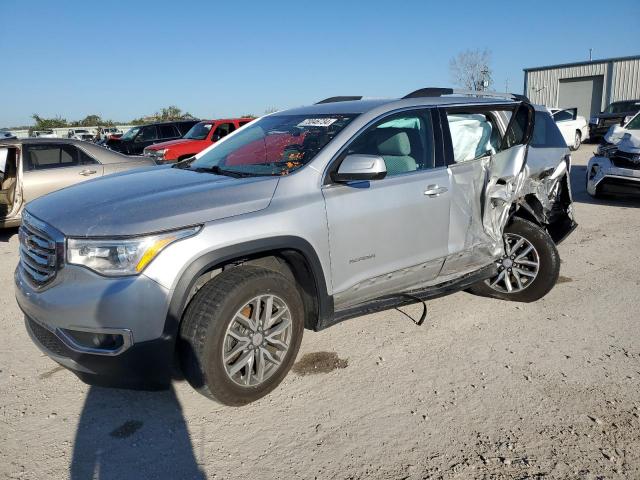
(38, 251)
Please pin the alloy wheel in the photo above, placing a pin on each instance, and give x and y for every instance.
(257, 340)
(518, 267)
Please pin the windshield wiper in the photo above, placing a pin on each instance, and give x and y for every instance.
(216, 170)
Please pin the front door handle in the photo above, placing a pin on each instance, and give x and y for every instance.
(86, 173)
(434, 190)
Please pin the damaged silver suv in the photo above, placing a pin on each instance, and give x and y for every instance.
(299, 220)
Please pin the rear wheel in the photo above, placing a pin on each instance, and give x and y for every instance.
(529, 268)
(241, 334)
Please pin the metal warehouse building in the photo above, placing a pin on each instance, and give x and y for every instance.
(590, 86)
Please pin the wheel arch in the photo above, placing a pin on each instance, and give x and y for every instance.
(558, 220)
(293, 256)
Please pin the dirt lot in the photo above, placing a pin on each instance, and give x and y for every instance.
(484, 389)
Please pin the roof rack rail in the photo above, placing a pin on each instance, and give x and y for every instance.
(439, 92)
(339, 99)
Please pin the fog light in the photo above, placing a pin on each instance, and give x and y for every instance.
(92, 340)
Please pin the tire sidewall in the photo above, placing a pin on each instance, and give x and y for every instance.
(548, 272)
(216, 380)
(549, 269)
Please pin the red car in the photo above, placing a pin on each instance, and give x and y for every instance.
(195, 140)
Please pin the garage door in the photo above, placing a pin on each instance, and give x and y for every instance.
(584, 93)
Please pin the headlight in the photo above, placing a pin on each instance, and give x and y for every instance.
(119, 257)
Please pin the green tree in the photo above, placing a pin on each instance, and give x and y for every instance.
(42, 123)
(91, 121)
(165, 114)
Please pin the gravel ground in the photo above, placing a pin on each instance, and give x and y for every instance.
(484, 389)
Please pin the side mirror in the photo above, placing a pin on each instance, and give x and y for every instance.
(359, 167)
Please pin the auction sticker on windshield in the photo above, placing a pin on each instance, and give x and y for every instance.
(317, 122)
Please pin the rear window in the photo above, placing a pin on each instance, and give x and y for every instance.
(51, 156)
(546, 133)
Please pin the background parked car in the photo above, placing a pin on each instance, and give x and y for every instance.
(108, 132)
(197, 139)
(34, 167)
(80, 134)
(44, 134)
(573, 127)
(136, 139)
(615, 168)
(615, 113)
(6, 135)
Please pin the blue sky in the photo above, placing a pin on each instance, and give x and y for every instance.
(124, 59)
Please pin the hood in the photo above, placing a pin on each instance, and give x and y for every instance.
(630, 143)
(171, 143)
(616, 133)
(150, 200)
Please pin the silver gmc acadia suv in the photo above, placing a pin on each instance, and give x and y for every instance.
(299, 220)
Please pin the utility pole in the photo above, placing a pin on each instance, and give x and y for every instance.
(506, 85)
(590, 54)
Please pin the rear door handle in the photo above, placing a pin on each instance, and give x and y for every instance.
(86, 173)
(434, 190)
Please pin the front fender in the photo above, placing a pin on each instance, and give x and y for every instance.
(209, 261)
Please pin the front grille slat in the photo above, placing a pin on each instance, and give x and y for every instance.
(42, 259)
(42, 269)
(38, 252)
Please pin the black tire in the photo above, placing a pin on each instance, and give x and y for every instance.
(548, 272)
(202, 331)
(577, 141)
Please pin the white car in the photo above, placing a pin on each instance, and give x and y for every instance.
(573, 127)
(6, 135)
(80, 134)
(44, 134)
(615, 168)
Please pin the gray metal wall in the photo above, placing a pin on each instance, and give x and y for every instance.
(621, 80)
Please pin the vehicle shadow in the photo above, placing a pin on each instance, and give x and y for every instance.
(579, 192)
(7, 233)
(126, 434)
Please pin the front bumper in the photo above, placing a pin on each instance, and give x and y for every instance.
(79, 303)
(610, 179)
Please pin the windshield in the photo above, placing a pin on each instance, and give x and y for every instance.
(132, 132)
(623, 107)
(199, 131)
(273, 145)
(634, 123)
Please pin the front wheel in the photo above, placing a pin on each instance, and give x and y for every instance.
(529, 268)
(241, 334)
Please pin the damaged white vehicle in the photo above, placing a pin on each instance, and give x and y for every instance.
(615, 168)
(300, 219)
